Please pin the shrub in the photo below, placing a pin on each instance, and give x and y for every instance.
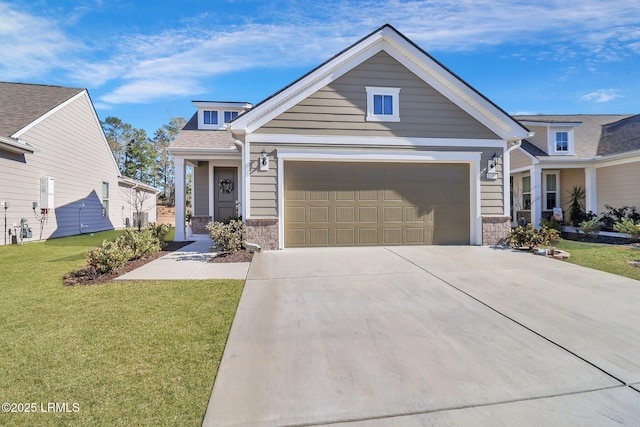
(142, 243)
(551, 223)
(160, 231)
(577, 212)
(228, 237)
(530, 237)
(110, 256)
(590, 227)
(628, 226)
(614, 215)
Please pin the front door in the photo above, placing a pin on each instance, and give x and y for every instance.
(225, 190)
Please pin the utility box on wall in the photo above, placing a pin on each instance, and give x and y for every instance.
(46, 192)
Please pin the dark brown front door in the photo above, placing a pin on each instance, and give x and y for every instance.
(225, 190)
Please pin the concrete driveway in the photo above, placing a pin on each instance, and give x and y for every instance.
(421, 336)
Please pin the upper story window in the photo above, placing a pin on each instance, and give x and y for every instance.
(230, 115)
(210, 117)
(561, 141)
(383, 104)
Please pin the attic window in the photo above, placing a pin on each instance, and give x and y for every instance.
(562, 141)
(383, 104)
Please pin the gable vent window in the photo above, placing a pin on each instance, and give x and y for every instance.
(383, 104)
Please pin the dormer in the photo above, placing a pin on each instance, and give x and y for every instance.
(560, 136)
(213, 115)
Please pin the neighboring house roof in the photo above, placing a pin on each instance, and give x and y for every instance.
(22, 103)
(133, 183)
(587, 134)
(190, 137)
(419, 62)
(620, 137)
(532, 149)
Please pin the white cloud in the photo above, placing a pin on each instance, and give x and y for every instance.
(143, 68)
(602, 95)
(30, 46)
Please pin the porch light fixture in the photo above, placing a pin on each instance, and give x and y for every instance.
(491, 167)
(264, 161)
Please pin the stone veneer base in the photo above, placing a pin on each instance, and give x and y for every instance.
(263, 231)
(496, 230)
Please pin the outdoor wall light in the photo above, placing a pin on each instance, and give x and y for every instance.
(264, 161)
(491, 167)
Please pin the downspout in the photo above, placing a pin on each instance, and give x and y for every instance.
(517, 143)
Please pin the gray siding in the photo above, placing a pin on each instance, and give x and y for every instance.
(264, 185)
(71, 150)
(201, 189)
(618, 186)
(340, 108)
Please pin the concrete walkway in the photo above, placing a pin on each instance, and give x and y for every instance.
(418, 336)
(189, 263)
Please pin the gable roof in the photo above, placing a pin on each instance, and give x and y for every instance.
(587, 133)
(23, 103)
(390, 40)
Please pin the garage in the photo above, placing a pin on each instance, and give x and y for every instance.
(375, 203)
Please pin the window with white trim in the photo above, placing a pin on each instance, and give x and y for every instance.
(551, 195)
(526, 193)
(105, 199)
(383, 104)
(210, 117)
(230, 115)
(561, 141)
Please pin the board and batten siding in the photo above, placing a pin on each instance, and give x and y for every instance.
(618, 185)
(340, 107)
(71, 149)
(201, 189)
(264, 185)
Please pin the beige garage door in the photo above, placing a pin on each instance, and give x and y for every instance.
(368, 204)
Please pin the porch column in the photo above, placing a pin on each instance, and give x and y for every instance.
(180, 190)
(536, 196)
(591, 190)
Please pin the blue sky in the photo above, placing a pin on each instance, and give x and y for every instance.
(144, 62)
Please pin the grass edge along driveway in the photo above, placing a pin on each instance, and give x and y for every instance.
(120, 353)
(610, 258)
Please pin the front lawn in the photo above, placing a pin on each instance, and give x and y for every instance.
(133, 353)
(610, 258)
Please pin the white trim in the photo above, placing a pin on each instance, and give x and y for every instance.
(506, 182)
(180, 197)
(394, 93)
(50, 112)
(552, 134)
(618, 159)
(216, 105)
(543, 200)
(246, 180)
(212, 184)
(591, 189)
(471, 158)
(372, 140)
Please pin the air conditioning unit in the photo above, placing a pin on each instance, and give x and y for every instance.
(46, 192)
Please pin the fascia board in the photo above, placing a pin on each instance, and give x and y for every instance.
(254, 119)
(528, 154)
(454, 89)
(15, 146)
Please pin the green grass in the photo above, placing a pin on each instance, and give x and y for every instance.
(132, 353)
(610, 258)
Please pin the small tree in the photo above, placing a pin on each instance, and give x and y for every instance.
(577, 212)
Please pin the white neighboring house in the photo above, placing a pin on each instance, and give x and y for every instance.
(56, 168)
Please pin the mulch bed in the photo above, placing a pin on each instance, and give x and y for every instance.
(88, 276)
(607, 240)
(237, 256)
